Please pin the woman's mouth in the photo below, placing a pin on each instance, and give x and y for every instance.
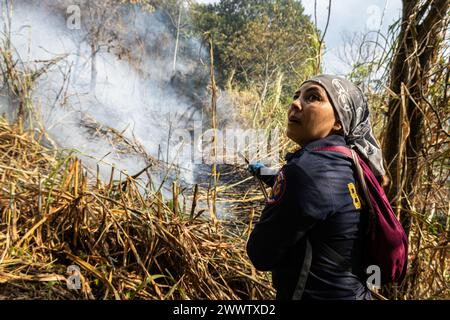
(294, 120)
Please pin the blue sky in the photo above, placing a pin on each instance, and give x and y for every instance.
(348, 16)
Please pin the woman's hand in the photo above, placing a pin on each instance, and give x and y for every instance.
(255, 168)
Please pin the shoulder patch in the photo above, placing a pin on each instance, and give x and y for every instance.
(278, 189)
(354, 195)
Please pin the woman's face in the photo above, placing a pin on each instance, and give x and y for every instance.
(311, 115)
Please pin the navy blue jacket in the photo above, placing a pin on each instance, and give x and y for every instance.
(314, 202)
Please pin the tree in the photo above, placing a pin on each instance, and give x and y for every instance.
(420, 39)
(256, 41)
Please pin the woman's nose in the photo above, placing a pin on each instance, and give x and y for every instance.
(296, 104)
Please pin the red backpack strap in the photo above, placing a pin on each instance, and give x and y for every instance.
(341, 149)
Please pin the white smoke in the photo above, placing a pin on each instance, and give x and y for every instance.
(137, 100)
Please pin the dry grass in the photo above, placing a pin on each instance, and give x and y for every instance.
(127, 245)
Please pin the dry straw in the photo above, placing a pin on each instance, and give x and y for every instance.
(128, 246)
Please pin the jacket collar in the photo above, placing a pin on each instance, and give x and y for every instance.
(332, 140)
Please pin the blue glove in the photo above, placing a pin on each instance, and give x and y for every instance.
(255, 168)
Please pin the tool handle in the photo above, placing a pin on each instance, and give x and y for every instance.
(263, 189)
(261, 184)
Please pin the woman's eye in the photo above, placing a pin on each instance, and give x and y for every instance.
(313, 97)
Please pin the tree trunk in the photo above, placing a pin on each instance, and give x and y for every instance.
(418, 44)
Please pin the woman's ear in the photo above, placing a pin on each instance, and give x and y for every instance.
(384, 181)
(337, 127)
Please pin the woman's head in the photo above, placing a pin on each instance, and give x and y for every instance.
(311, 115)
(329, 104)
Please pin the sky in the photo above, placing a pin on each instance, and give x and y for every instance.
(348, 16)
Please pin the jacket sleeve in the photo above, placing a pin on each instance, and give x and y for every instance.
(298, 202)
(268, 176)
(269, 180)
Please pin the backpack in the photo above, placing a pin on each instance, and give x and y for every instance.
(386, 242)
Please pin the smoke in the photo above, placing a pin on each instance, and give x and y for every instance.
(115, 72)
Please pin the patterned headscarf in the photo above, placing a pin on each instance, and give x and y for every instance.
(353, 112)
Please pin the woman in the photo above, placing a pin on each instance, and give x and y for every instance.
(310, 234)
